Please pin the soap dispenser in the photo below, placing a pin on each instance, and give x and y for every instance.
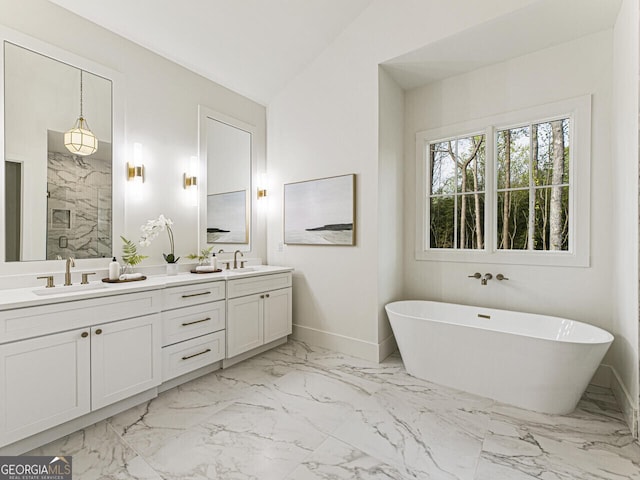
(213, 261)
(114, 269)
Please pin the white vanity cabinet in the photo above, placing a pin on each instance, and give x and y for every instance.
(259, 311)
(193, 327)
(94, 361)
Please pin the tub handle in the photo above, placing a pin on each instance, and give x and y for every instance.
(476, 275)
(501, 277)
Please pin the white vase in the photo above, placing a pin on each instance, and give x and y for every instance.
(172, 268)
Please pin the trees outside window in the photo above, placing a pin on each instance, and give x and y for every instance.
(533, 186)
(457, 198)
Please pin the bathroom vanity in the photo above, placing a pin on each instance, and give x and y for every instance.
(70, 359)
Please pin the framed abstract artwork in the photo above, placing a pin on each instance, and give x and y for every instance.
(321, 211)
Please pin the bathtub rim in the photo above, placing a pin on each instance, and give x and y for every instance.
(609, 336)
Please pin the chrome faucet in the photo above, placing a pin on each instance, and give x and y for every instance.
(67, 271)
(235, 258)
(487, 276)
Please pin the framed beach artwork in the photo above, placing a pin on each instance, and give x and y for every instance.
(227, 217)
(320, 212)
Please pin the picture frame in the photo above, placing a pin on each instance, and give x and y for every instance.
(321, 211)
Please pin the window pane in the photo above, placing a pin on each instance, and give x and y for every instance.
(514, 207)
(513, 157)
(471, 224)
(443, 168)
(442, 228)
(551, 146)
(471, 161)
(552, 219)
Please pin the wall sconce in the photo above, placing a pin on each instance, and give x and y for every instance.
(262, 186)
(189, 181)
(136, 169)
(190, 177)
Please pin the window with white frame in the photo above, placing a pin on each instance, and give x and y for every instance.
(506, 189)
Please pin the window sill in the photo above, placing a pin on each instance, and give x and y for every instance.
(537, 258)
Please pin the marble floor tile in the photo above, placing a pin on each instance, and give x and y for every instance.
(335, 460)
(581, 445)
(239, 442)
(320, 400)
(147, 426)
(98, 453)
(424, 434)
(300, 412)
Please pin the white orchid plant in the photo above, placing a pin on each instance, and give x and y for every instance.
(152, 229)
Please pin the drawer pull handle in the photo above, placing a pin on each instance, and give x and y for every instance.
(84, 334)
(185, 324)
(261, 296)
(196, 294)
(98, 331)
(187, 357)
(267, 295)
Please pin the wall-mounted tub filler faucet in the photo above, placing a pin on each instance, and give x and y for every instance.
(487, 276)
(67, 271)
(501, 277)
(476, 275)
(235, 258)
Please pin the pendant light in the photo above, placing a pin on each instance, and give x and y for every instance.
(80, 140)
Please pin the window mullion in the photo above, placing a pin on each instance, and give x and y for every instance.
(532, 194)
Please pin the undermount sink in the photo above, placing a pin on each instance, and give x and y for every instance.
(69, 289)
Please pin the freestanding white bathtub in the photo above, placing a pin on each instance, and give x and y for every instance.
(531, 361)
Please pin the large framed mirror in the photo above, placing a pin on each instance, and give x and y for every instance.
(228, 163)
(59, 198)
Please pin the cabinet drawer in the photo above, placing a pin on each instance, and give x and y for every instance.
(176, 297)
(35, 321)
(248, 286)
(189, 322)
(187, 356)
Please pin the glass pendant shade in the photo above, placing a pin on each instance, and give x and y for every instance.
(80, 140)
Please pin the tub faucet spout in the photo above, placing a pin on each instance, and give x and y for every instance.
(487, 276)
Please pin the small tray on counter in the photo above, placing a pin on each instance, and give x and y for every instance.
(106, 280)
(213, 271)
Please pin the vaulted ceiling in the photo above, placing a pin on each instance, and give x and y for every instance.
(253, 47)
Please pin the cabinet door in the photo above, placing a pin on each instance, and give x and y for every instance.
(125, 359)
(277, 314)
(244, 324)
(45, 382)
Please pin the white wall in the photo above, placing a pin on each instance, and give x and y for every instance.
(325, 122)
(583, 67)
(624, 291)
(161, 113)
(390, 203)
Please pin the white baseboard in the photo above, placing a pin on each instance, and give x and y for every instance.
(387, 347)
(625, 401)
(607, 376)
(355, 347)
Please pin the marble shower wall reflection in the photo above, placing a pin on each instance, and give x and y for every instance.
(78, 204)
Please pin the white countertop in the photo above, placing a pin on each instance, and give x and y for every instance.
(25, 297)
